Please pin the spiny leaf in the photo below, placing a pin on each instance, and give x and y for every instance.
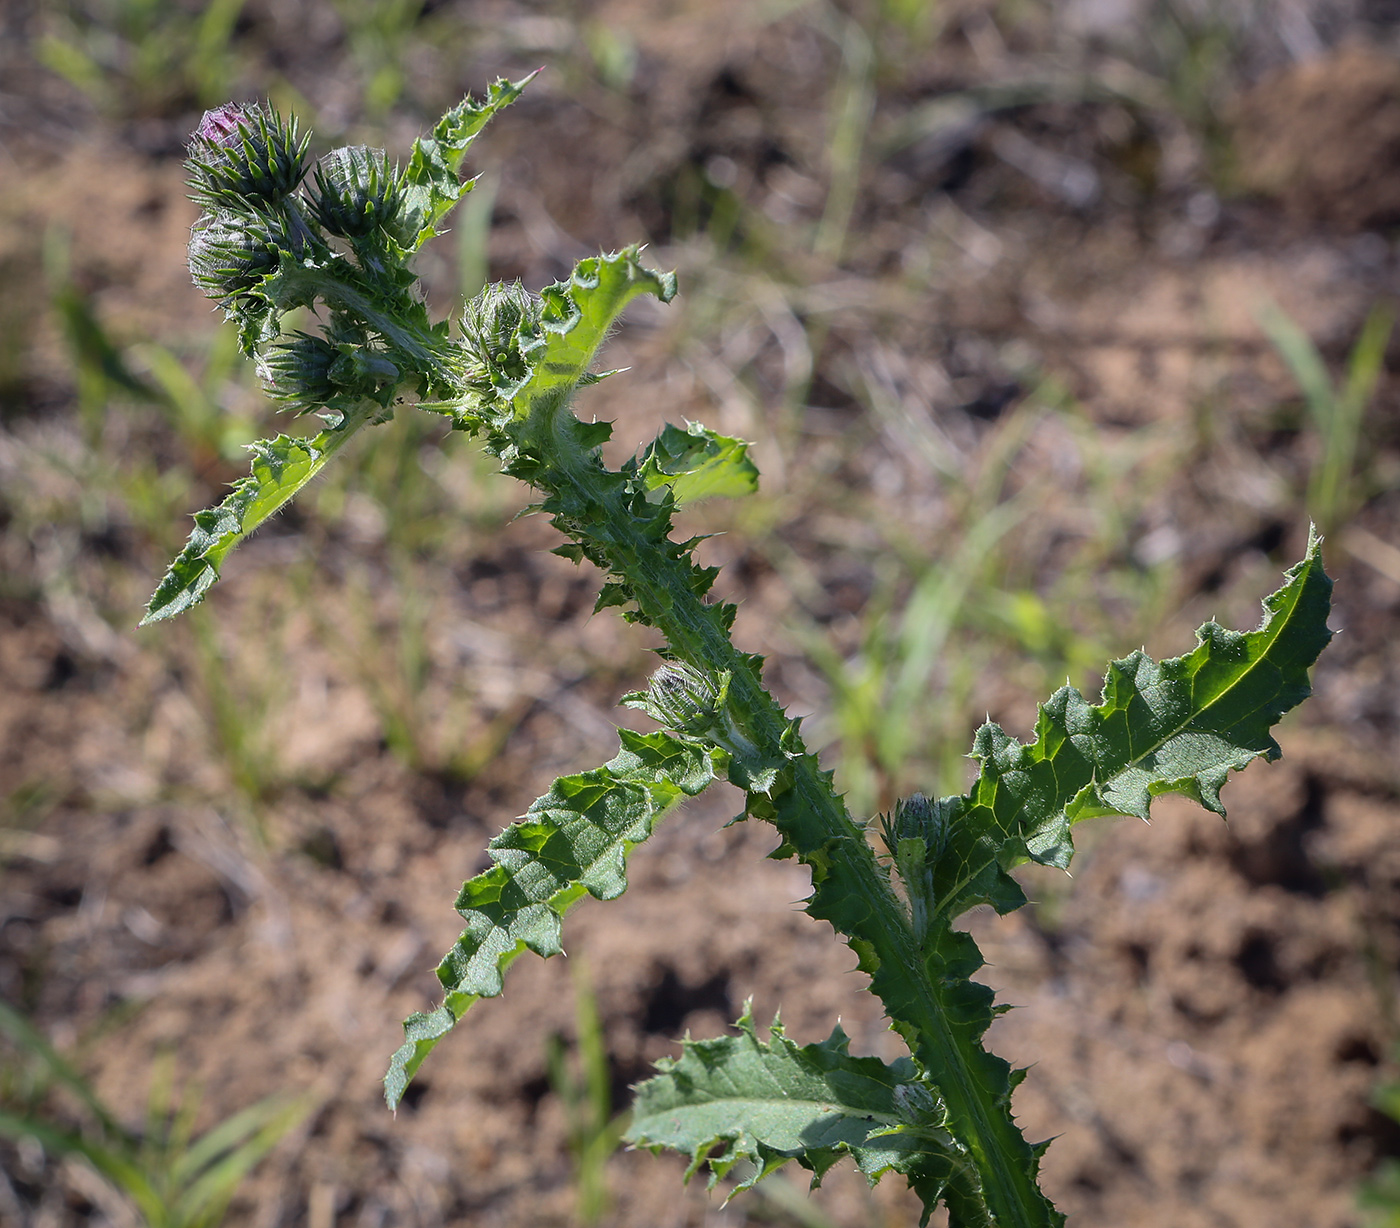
(281, 467)
(430, 181)
(1176, 726)
(762, 1103)
(572, 841)
(695, 463)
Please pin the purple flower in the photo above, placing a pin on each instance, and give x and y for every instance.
(220, 126)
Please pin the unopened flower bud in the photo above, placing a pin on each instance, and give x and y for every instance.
(229, 256)
(357, 191)
(919, 818)
(245, 155)
(310, 372)
(500, 329)
(685, 699)
(492, 319)
(916, 1105)
(299, 372)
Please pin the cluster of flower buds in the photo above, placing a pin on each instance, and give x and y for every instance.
(246, 168)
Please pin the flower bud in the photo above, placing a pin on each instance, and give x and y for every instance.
(299, 372)
(356, 193)
(494, 317)
(229, 255)
(684, 699)
(500, 331)
(918, 1106)
(245, 155)
(919, 818)
(309, 373)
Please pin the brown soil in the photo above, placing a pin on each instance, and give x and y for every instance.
(1207, 1007)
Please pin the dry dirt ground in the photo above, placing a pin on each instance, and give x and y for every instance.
(238, 842)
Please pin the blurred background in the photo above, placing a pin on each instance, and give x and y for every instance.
(1052, 325)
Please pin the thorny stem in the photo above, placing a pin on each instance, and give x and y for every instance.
(1179, 725)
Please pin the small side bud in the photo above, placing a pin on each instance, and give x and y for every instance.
(241, 156)
(685, 699)
(494, 318)
(310, 373)
(916, 835)
(298, 372)
(500, 329)
(919, 818)
(357, 192)
(695, 704)
(917, 1106)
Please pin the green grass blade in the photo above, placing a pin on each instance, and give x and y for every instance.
(31, 1040)
(229, 1135)
(1331, 492)
(112, 1162)
(1300, 355)
(211, 1171)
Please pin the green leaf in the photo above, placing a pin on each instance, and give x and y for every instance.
(746, 1106)
(1175, 726)
(572, 841)
(281, 467)
(430, 181)
(695, 463)
(577, 317)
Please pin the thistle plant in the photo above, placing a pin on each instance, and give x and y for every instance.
(891, 886)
